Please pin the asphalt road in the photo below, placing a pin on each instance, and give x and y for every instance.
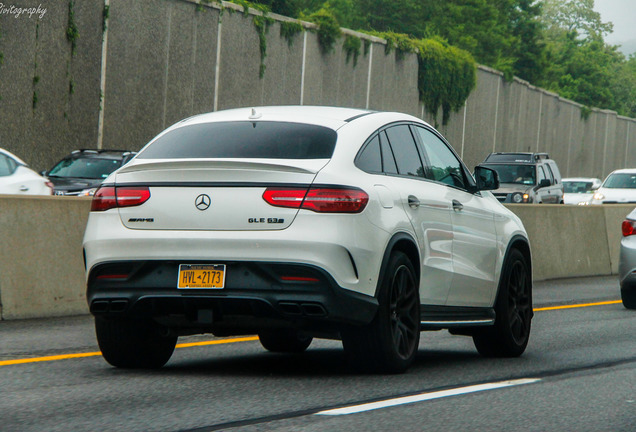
(578, 374)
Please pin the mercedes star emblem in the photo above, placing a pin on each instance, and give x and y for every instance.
(202, 202)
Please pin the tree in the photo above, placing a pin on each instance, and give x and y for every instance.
(624, 87)
(581, 66)
(574, 15)
(526, 26)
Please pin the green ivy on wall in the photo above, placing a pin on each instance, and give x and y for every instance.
(261, 22)
(72, 32)
(586, 111)
(446, 76)
(328, 29)
(352, 46)
(105, 16)
(289, 30)
(36, 77)
(367, 47)
(400, 43)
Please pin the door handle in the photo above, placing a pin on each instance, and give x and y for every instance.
(24, 188)
(413, 202)
(457, 206)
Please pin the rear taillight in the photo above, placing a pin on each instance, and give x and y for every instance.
(292, 198)
(336, 200)
(109, 197)
(628, 227)
(319, 199)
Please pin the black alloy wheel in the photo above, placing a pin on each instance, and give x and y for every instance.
(404, 312)
(510, 334)
(519, 307)
(389, 343)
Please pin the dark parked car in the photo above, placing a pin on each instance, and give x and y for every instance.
(82, 171)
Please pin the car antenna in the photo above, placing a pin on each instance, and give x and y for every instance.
(255, 115)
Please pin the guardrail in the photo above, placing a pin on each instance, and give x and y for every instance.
(42, 270)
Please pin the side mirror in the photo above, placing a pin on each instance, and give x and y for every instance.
(544, 183)
(486, 178)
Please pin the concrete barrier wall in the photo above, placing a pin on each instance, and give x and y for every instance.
(573, 241)
(159, 61)
(42, 270)
(41, 264)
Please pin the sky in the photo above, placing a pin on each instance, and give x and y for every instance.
(623, 14)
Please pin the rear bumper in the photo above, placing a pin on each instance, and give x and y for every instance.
(347, 247)
(256, 296)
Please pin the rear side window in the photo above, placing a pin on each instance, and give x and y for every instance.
(555, 172)
(267, 140)
(541, 174)
(370, 160)
(5, 166)
(549, 174)
(406, 154)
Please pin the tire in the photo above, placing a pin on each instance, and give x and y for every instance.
(284, 341)
(133, 344)
(629, 298)
(509, 336)
(389, 343)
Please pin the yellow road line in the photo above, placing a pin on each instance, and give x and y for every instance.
(246, 339)
(218, 342)
(48, 358)
(577, 305)
(92, 354)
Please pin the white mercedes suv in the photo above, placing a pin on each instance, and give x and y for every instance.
(300, 222)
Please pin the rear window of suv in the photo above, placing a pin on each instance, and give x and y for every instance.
(266, 140)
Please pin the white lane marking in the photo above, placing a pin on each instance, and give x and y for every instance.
(426, 396)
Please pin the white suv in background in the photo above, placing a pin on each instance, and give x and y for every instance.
(301, 222)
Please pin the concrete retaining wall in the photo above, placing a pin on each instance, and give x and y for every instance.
(159, 61)
(41, 264)
(573, 241)
(42, 271)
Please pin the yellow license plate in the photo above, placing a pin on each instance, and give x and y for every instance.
(194, 276)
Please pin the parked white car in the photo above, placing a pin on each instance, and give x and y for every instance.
(618, 188)
(579, 190)
(16, 178)
(301, 222)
